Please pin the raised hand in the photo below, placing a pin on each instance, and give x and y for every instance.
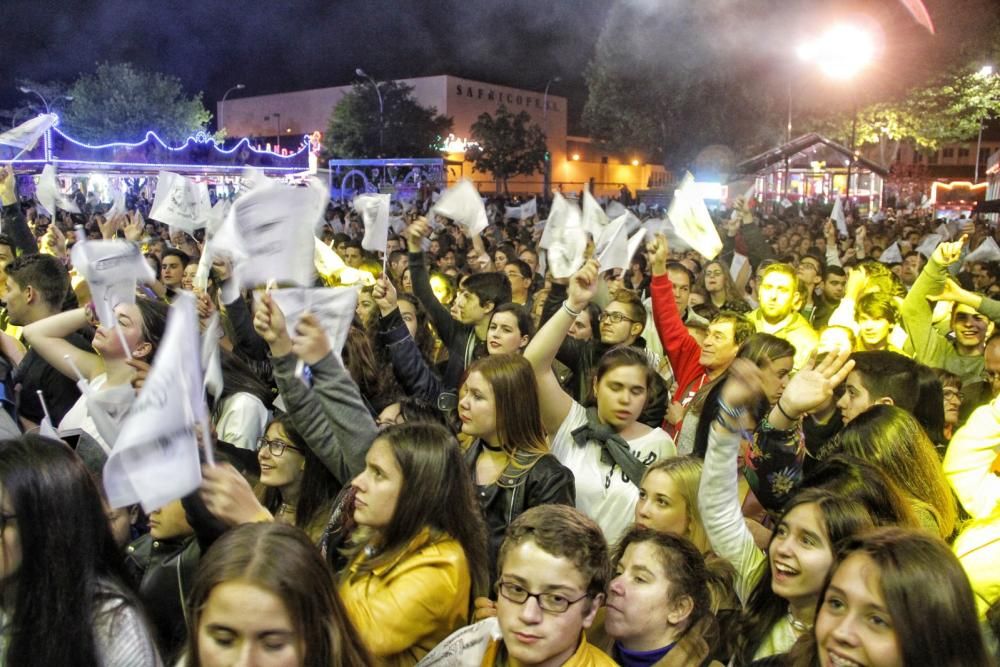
(744, 385)
(583, 285)
(310, 343)
(947, 253)
(952, 291)
(228, 496)
(269, 323)
(856, 279)
(385, 295)
(657, 251)
(109, 228)
(415, 233)
(134, 227)
(813, 386)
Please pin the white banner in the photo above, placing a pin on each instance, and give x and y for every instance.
(50, 196)
(27, 134)
(111, 269)
(332, 306)
(374, 210)
(838, 217)
(611, 247)
(692, 221)
(462, 203)
(180, 202)
(593, 217)
(563, 238)
(269, 233)
(155, 458)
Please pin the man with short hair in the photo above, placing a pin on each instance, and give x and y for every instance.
(36, 288)
(172, 266)
(879, 377)
(398, 261)
(553, 570)
(693, 365)
(912, 264)
(681, 279)
(520, 276)
(353, 254)
(831, 292)
(776, 315)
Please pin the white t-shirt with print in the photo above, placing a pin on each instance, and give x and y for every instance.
(603, 492)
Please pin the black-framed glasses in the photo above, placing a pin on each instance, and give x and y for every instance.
(276, 447)
(4, 520)
(550, 602)
(615, 317)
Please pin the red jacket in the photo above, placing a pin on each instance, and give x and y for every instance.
(682, 349)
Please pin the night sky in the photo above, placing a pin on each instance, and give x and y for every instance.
(279, 45)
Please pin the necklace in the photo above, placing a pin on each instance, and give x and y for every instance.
(286, 508)
(798, 626)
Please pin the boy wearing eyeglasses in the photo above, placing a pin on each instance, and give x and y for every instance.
(554, 567)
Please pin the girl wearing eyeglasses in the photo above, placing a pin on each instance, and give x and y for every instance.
(295, 486)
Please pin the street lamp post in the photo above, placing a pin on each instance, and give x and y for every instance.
(547, 172)
(222, 104)
(381, 124)
(26, 91)
(277, 132)
(985, 72)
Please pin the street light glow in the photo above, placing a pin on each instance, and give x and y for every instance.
(985, 71)
(841, 52)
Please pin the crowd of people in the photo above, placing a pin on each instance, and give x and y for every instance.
(783, 455)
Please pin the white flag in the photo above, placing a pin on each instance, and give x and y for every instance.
(944, 231)
(117, 205)
(462, 203)
(692, 221)
(838, 217)
(594, 219)
(269, 233)
(332, 306)
(988, 251)
(529, 209)
(512, 212)
(155, 458)
(739, 261)
(615, 209)
(563, 238)
(891, 255)
(327, 261)
(611, 247)
(212, 357)
(111, 269)
(180, 202)
(466, 647)
(27, 134)
(50, 196)
(786, 203)
(374, 210)
(930, 242)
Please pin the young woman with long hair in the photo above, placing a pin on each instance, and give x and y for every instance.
(295, 486)
(779, 586)
(890, 438)
(895, 598)
(107, 369)
(722, 291)
(509, 458)
(418, 557)
(62, 591)
(264, 593)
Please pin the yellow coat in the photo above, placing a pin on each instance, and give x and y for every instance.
(404, 608)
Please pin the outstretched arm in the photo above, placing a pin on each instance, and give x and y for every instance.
(48, 337)
(541, 351)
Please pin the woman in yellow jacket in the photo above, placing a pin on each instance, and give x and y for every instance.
(418, 557)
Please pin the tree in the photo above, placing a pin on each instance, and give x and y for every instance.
(122, 102)
(947, 109)
(403, 128)
(658, 87)
(507, 145)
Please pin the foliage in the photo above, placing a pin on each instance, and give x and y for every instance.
(947, 109)
(657, 87)
(408, 130)
(507, 145)
(122, 102)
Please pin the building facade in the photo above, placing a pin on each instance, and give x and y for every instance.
(283, 119)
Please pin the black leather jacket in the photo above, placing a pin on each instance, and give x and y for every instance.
(546, 482)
